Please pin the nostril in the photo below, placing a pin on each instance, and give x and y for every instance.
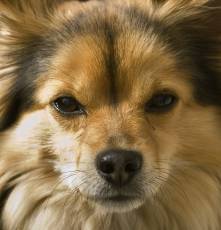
(106, 167)
(132, 167)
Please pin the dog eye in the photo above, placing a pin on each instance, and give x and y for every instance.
(68, 106)
(161, 103)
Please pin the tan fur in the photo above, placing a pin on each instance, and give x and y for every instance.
(54, 155)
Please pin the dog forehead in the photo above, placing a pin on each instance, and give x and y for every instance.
(111, 57)
(109, 64)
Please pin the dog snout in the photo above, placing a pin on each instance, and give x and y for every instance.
(118, 166)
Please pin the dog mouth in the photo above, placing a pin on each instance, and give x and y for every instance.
(117, 203)
(115, 199)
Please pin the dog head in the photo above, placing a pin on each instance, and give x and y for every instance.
(114, 97)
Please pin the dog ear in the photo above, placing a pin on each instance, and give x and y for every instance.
(196, 26)
(212, 31)
(174, 11)
(25, 44)
(22, 24)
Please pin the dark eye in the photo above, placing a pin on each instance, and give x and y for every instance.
(161, 103)
(68, 106)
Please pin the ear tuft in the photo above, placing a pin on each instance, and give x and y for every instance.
(175, 11)
(26, 44)
(23, 23)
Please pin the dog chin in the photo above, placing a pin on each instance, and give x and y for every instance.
(116, 204)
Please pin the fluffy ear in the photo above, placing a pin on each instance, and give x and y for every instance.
(196, 26)
(212, 31)
(23, 23)
(26, 43)
(174, 11)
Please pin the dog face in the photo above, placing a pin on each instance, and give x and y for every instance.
(114, 104)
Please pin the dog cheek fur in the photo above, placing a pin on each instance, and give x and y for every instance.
(35, 175)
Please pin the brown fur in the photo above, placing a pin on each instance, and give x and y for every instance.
(47, 171)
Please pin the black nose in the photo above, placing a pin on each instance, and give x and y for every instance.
(117, 166)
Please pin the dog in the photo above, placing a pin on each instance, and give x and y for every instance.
(110, 115)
